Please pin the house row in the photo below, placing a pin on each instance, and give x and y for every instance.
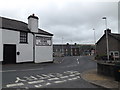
(24, 42)
(113, 44)
(72, 49)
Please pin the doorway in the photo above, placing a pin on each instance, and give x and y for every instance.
(9, 54)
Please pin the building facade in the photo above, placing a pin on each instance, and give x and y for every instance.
(22, 42)
(113, 43)
(72, 49)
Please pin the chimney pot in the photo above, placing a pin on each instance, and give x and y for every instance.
(108, 31)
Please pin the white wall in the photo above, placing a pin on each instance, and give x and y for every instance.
(13, 37)
(43, 53)
(26, 50)
(1, 46)
(33, 24)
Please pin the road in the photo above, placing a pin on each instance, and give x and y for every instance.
(65, 72)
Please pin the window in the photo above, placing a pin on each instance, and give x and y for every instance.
(116, 54)
(43, 41)
(23, 37)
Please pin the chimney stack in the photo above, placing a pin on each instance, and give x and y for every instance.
(108, 31)
(33, 23)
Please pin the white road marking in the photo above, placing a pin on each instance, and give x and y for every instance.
(13, 85)
(77, 73)
(59, 75)
(21, 70)
(38, 86)
(48, 84)
(78, 61)
(64, 77)
(72, 75)
(9, 71)
(18, 79)
(40, 77)
(34, 82)
(53, 79)
(78, 76)
(74, 78)
(60, 81)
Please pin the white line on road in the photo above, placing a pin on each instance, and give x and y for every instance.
(53, 79)
(60, 81)
(78, 61)
(13, 85)
(9, 71)
(34, 82)
(48, 84)
(22, 70)
(72, 75)
(38, 86)
(74, 78)
(64, 77)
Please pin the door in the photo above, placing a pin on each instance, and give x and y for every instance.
(9, 54)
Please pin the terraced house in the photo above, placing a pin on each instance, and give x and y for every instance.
(22, 42)
(113, 43)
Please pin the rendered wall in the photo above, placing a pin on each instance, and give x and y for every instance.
(13, 37)
(26, 50)
(43, 54)
(33, 24)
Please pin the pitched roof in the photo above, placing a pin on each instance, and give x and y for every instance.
(116, 36)
(16, 25)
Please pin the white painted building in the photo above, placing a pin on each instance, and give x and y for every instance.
(22, 42)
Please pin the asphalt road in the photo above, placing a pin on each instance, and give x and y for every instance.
(65, 72)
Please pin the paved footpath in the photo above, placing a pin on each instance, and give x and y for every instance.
(100, 80)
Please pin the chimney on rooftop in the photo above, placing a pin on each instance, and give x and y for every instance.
(33, 23)
(108, 31)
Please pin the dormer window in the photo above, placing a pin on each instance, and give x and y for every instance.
(23, 37)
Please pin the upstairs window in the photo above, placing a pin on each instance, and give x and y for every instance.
(23, 37)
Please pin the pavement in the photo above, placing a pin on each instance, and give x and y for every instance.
(100, 80)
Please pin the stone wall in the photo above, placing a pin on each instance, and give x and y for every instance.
(108, 69)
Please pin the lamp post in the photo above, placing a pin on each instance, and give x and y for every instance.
(62, 47)
(106, 37)
(94, 40)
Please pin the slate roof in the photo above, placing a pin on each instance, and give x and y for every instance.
(116, 36)
(16, 25)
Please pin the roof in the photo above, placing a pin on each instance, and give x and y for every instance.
(16, 25)
(114, 35)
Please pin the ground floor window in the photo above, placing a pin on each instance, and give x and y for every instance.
(43, 41)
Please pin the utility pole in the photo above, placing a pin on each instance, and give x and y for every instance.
(94, 41)
(62, 47)
(106, 38)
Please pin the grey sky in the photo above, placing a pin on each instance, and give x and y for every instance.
(72, 19)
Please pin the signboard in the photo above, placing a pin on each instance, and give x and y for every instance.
(43, 41)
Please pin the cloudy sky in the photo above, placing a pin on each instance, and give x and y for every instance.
(73, 20)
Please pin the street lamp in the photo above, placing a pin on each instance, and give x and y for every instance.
(106, 38)
(62, 46)
(94, 40)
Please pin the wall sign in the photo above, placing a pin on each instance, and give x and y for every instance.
(43, 41)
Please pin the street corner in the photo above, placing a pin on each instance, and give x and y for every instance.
(92, 77)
